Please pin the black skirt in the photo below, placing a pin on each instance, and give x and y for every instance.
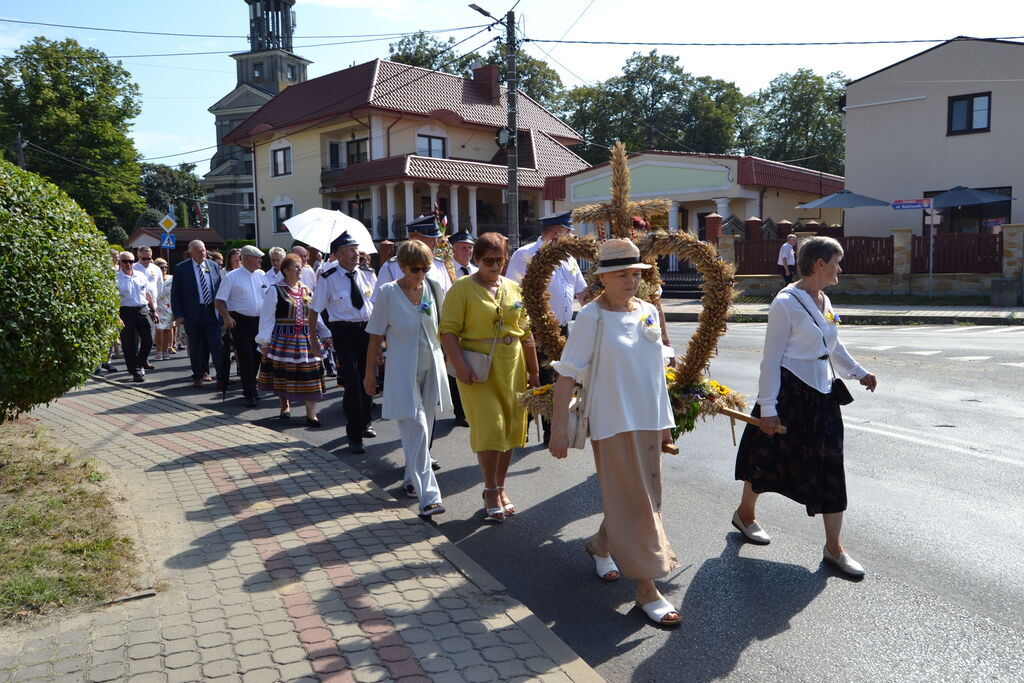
(806, 463)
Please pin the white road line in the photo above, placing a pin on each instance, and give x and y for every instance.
(876, 348)
(1014, 365)
(933, 444)
(1006, 328)
(970, 358)
(921, 353)
(968, 328)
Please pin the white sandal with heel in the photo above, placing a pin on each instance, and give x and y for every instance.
(509, 509)
(495, 514)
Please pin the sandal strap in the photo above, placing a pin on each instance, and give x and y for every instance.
(658, 609)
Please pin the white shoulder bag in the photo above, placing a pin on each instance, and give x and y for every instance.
(578, 428)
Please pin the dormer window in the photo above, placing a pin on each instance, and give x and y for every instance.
(431, 146)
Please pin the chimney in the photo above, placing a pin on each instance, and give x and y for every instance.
(486, 78)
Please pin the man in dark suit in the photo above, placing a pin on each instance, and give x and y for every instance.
(193, 288)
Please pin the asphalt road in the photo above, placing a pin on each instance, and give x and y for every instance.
(935, 474)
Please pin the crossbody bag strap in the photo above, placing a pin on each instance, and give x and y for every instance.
(587, 388)
(823, 340)
(498, 326)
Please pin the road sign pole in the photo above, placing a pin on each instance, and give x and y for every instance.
(931, 248)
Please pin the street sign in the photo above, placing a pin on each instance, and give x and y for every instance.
(912, 204)
(168, 223)
(168, 241)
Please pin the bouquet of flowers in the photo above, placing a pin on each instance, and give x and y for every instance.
(701, 398)
(538, 400)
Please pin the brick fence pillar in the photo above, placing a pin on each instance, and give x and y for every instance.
(712, 228)
(901, 241)
(1013, 250)
(785, 228)
(753, 228)
(812, 226)
(727, 248)
(385, 250)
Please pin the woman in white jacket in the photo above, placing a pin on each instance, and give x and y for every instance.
(406, 311)
(802, 355)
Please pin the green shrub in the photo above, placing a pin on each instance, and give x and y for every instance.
(58, 299)
(117, 235)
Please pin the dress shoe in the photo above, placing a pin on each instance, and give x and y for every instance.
(435, 465)
(844, 563)
(356, 448)
(754, 533)
(250, 401)
(312, 422)
(368, 433)
(109, 367)
(148, 366)
(331, 373)
(461, 422)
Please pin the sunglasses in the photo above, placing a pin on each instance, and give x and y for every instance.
(419, 269)
(125, 260)
(491, 261)
(145, 258)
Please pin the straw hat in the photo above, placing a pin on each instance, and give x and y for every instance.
(616, 254)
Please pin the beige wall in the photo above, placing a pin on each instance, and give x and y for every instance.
(900, 149)
(301, 188)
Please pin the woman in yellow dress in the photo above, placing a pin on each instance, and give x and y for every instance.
(478, 310)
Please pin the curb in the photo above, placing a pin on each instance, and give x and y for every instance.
(571, 664)
(861, 319)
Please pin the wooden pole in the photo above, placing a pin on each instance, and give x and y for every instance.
(737, 415)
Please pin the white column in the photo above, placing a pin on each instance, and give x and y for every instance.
(374, 207)
(433, 194)
(673, 217)
(722, 207)
(389, 199)
(453, 208)
(410, 213)
(472, 210)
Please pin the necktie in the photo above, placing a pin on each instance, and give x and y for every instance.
(206, 285)
(464, 269)
(357, 297)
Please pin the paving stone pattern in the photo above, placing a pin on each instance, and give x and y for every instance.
(274, 561)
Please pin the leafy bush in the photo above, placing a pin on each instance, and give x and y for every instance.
(236, 244)
(58, 299)
(117, 235)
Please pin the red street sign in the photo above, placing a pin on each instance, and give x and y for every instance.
(912, 204)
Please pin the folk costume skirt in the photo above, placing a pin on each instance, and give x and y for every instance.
(290, 369)
(806, 463)
(629, 475)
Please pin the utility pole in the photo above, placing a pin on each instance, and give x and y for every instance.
(19, 146)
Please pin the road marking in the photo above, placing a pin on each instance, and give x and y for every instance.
(934, 444)
(1014, 365)
(876, 348)
(921, 353)
(970, 358)
(1006, 328)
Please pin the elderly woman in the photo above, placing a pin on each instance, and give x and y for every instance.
(407, 312)
(291, 366)
(630, 418)
(165, 318)
(802, 355)
(484, 313)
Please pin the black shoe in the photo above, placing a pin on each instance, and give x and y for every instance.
(356, 448)
(435, 465)
(108, 367)
(250, 401)
(368, 433)
(331, 373)
(461, 422)
(138, 377)
(148, 366)
(285, 415)
(312, 422)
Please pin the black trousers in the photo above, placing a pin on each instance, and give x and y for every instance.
(136, 336)
(243, 336)
(350, 342)
(204, 342)
(547, 376)
(787, 278)
(453, 387)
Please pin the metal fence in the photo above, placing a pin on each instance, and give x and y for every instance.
(958, 253)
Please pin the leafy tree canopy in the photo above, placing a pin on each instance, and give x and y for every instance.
(163, 184)
(423, 49)
(75, 107)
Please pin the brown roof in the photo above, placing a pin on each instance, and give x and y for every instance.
(181, 235)
(391, 86)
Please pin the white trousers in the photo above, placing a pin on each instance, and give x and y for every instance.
(415, 435)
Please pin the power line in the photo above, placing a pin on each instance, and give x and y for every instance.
(778, 44)
(178, 154)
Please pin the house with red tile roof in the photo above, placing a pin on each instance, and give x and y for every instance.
(384, 141)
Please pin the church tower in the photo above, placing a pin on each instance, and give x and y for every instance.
(265, 70)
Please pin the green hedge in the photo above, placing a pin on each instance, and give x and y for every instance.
(58, 298)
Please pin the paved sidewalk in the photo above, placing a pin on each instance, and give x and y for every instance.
(687, 310)
(272, 561)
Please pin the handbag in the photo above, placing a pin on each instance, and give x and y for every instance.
(578, 427)
(839, 393)
(480, 363)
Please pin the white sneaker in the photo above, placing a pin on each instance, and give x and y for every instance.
(844, 563)
(754, 533)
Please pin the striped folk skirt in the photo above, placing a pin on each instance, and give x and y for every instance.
(290, 369)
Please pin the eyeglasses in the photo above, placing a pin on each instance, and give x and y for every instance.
(419, 269)
(491, 261)
(145, 258)
(126, 260)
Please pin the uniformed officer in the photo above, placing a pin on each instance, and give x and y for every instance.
(423, 229)
(136, 323)
(567, 283)
(238, 301)
(345, 291)
(462, 251)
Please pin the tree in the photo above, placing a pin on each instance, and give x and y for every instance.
(797, 119)
(58, 301)
(75, 108)
(422, 49)
(150, 218)
(117, 235)
(536, 78)
(163, 185)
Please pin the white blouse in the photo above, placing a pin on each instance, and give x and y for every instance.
(629, 387)
(796, 339)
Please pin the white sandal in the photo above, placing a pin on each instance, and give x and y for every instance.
(495, 514)
(657, 610)
(603, 565)
(509, 509)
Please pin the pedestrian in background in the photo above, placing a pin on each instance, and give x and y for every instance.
(165, 317)
(799, 388)
(462, 255)
(291, 366)
(217, 258)
(484, 313)
(234, 260)
(615, 347)
(787, 259)
(273, 275)
(195, 282)
(137, 313)
(154, 276)
(407, 312)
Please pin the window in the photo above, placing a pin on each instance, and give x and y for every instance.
(248, 199)
(290, 72)
(334, 154)
(356, 151)
(430, 146)
(336, 205)
(281, 162)
(969, 113)
(281, 214)
(257, 71)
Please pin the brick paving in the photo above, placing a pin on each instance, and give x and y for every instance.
(273, 561)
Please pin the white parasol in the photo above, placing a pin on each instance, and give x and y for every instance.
(319, 227)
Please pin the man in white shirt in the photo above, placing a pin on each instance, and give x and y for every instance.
(308, 275)
(274, 275)
(462, 251)
(787, 259)
(344, 292)
(423, 229)
(567, 283)
(137, 312)
(155, 279)
(238, 301)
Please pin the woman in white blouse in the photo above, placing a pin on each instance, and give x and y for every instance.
(802, 354)
(406, 311)
(630, 418)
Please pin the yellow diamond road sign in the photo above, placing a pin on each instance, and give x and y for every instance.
(168, 223)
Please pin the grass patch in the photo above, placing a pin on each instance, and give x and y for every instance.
(59, 542)
(886, 300)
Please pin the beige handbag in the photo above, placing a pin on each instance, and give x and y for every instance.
(480, 363)
(578, 428)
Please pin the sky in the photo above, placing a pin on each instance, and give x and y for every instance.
(177, 90)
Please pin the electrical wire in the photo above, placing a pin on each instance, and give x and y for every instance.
(178, 154)
(778, 44)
